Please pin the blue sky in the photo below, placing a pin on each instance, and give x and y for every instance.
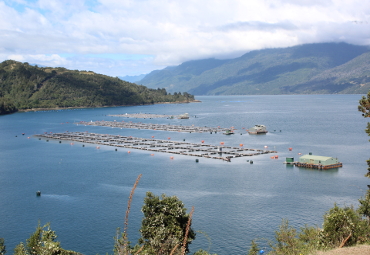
(126, 37)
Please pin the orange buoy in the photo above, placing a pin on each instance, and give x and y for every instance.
(152, 136)
(222, 143)
(266, 146)
(97, 147)
(272, 157)
(151, 154)
(276, 156)
(241, 145)
(169, 138)
(72, 143)
(171, 157)
(129, 152)
(299, 153)
(290, 149)
(202, 141)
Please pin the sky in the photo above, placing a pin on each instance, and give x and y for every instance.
(133, 37)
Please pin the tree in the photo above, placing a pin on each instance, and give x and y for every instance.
(166, 227)
(42, 242)
(254, 248)
(2, 247)
(364, 207)
(343, 227)
(364, 107)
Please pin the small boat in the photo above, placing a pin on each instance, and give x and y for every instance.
(183, 116)
(229, 132)
(257, 129)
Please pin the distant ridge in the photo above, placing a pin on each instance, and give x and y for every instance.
(132, 78)
(322, 68)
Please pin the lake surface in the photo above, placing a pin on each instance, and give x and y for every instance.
(85, 190)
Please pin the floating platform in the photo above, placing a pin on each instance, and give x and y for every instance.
(143, 115)
(225, 153)
(139, 125)
(317, 166)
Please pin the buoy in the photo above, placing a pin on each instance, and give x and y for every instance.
(202, 141)
(152, 136)
(169, 138)
(38, 193)
(98, 147)
(129, 152)
(241, 145)
(171, 157)
(115, 149)
(251, 162)
(28, 137)
(276, 156)
(151, 154)
(266, 147)
(222, 143)
(83, 145)
(299, 153)
(60, 141)
(72, 143)
(290, 149)
(197, 160)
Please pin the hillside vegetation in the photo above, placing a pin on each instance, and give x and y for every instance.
(23, 86)
(324, 68)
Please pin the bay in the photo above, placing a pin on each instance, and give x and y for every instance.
(85, 190)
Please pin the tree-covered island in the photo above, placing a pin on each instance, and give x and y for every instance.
(24, 86)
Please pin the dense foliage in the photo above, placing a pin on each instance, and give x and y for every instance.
(364, 107)
(42, 242)
(323, 68)
(23, 86)
(164, 224)
(165, 229)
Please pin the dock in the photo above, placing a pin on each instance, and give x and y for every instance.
(225, 153)
(163, 127)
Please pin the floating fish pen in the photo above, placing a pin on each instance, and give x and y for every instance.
(154, 145)
(163, 127)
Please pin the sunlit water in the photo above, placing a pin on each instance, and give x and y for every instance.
(85, 190)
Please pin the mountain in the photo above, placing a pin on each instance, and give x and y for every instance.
(133, 78)
(23, 86)
(324, 68)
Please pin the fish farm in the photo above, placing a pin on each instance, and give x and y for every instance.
(222, 152)
(162, 127)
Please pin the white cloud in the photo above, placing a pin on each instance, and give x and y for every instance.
(169, 32)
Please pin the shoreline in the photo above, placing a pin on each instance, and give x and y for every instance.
(89, 107)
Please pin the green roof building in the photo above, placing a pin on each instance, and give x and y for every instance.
(319, 162)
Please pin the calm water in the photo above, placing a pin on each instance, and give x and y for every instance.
(85, 190)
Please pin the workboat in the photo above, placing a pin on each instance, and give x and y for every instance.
(257, 129)
(229, 132)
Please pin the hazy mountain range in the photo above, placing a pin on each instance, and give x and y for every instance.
(323, 68)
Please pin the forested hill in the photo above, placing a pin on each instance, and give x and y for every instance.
(23, 86)
(323, 68)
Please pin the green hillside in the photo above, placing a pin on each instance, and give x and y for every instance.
(23, 86)
(304, 69)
